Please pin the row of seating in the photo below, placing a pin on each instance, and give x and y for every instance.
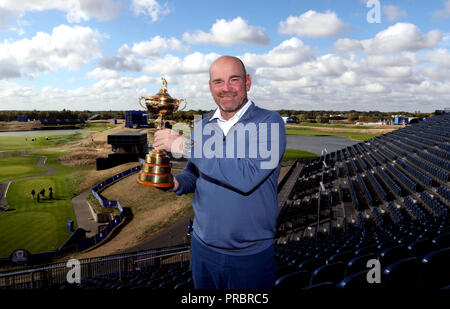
(388, 154)
(353, 193)
(420, 249)
(414, 208)
(444, 192)
(438, 130)
(433, 203)
(378, 217)
(445, 146)
(377, 156)
(166, 276)
(422, 140)
(388, 180)
(433, 159)
(408, 149)
(411, 184)
(396, 214)
(433, 170)
(405, 137)
(370, 200)
(435, 137)
(370, 159)
(378, 188)
(441, 153)
(425, 179)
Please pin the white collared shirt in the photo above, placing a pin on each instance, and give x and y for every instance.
(226, 125)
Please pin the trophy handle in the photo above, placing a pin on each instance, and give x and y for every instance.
(178, 103)
(139, 101)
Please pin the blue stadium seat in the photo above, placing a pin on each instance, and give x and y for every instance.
(310, 264)
(296, 280)
(403, 274)
(321, 286)
(328, 273)
(185, 286)
(284, 270)
(358, 264)
(366, 250)
(441, 241)
(420, 247)
(357, 281)
(392, 255)
(340, 257)
(386, 244)
(435, 269)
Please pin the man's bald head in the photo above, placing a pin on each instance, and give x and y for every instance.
(225, 59)
(229, 83)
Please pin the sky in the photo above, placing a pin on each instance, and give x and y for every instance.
(96, 55)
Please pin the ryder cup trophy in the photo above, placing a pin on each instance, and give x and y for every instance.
(155, 171)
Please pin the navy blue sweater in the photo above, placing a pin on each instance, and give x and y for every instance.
(234, 180)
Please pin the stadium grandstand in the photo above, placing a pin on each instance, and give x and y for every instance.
(386, 199)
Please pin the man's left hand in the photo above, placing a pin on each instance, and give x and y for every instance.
(169, 140)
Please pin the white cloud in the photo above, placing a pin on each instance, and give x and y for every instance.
(192, 63)
(374, 88)
(440, 57)
(153, 48)
(99, 73)
(76, 10)
(150, 8)
(444, 12)
(288, 53)
(393, 12)
(229, 33)
(66, 47)
(313, 24)
(397, 38)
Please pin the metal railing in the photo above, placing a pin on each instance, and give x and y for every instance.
(45, 277)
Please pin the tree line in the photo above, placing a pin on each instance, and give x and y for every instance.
(319, 116)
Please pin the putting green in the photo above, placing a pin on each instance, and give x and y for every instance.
(35, 231)
(14, 167)
(25, 142)
(38, 226)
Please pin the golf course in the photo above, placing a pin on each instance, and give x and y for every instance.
(66, 163)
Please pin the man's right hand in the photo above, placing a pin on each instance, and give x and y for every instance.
(176, 185)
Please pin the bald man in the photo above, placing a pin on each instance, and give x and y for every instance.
(234, 160)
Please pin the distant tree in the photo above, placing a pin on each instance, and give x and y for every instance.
(322, 119)
(352, 116)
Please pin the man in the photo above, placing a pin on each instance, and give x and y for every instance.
(235, 200)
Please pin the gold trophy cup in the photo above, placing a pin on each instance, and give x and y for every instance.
(155, 171)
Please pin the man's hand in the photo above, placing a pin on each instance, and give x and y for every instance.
(175, 185)
(169, 140)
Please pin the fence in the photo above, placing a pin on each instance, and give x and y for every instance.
(99, 237)
(44, 277)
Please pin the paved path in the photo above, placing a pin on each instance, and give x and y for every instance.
(4, 185)
(83, 215)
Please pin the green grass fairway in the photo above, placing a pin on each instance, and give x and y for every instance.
(25, 143)
(39, 227)
(351, 135)
(302, 155)
(336, 126)
(14, 167)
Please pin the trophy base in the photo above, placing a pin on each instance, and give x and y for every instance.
(155, 184)
(155, 171)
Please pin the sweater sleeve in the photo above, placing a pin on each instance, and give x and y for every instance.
(187, 179)
(245, 174)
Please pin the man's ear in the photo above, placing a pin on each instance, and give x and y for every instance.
(248, 82)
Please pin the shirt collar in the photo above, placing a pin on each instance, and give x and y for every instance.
(237, 116)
